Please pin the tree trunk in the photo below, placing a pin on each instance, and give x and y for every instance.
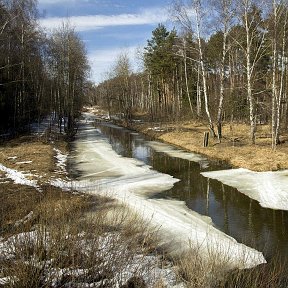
(249, 81)
(222, 77)
(201, 61)
(186, 81)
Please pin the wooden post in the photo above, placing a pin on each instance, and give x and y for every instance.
(206, 139)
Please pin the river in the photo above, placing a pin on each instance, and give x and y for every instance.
(230, 211)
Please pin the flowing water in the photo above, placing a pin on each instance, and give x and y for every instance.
(231, 211)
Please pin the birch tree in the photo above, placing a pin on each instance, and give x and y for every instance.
(225, 19)
(199, 18)
(278, 44)
(253, 50)
(182, 13)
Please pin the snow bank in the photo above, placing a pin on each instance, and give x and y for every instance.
(61, 160)
(132, 182)
(270, 189)
(18, 177)
(177, 153)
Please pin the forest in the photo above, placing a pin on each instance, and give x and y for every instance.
(40, 72)
(151, 205)
(226, 61)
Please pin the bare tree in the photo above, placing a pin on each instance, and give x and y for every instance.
(69, 70)
(279, 26)
(122, 72)
(225, 18)
(250, 17)
(182, 13)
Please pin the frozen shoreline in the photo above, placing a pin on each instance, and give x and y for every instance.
(177, 153)
(132, 182)
(270, 189)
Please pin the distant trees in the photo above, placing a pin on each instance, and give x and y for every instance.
(228, 60)
(159, 61)
(33, 66)
(125, 95)
(68, 67)
(19, 51)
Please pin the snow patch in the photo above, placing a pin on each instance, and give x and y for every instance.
(61, 160)
(110, 253)
(23, 162)
(12, 158)
(18, 177)
(156, 129)
(270, 189)
(8, 280)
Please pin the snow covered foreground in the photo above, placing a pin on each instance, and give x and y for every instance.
(270, 189)
(132, 182)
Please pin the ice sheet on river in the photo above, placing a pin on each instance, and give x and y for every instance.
(177, 153)
(132, 182)
(270, 189)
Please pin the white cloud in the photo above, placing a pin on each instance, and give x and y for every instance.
(93, 22)
(102, 61)
(53, 1)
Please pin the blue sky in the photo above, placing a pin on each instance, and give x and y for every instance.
(108, 27)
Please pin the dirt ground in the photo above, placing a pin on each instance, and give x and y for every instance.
(234, 147)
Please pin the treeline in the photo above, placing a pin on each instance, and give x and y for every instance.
(40, 74)
(227, 61)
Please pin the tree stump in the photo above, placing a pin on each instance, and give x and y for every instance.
(206, 139)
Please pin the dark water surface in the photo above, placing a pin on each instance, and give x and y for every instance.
(231, 211)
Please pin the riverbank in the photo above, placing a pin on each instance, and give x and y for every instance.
(234, 148)
(61, 237)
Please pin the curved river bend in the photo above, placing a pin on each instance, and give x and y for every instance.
(231, 211)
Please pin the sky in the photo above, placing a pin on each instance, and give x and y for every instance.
(107, 27)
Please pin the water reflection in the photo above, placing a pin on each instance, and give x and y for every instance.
(232, 212)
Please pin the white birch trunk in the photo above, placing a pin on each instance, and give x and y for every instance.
(199, 101)
(197, 10)
(222, 77)
(249, 70)
(281, 88)
(274, 87)
(186, 78)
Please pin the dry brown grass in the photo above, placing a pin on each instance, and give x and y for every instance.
(39, 152)
(68, 244)
(234, 148)
(69, 239)
(16, 202)
(197, 272)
